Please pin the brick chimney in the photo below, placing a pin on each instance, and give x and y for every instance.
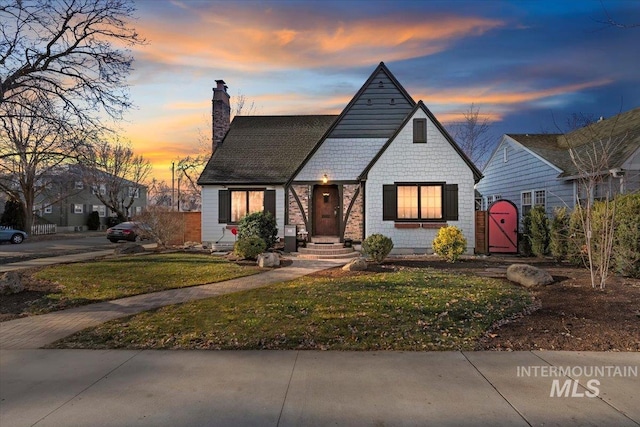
(221, 113)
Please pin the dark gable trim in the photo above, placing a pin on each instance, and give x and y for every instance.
(330, 182)
(477, 175)
(381, 67)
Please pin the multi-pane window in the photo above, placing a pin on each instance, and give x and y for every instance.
(245, 202)
(101, 209)
(78, 208)
(99, 189)
(79, 185)
(529, 199)
(138, 210)
(419, 202)
(134, 192)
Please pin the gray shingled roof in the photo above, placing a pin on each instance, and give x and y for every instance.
(264, 149)
(619, 135)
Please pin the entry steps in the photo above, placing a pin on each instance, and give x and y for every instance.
(326, 251)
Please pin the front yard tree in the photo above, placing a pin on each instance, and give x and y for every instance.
(116, 175)
(73, 52)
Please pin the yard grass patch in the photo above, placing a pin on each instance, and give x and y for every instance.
(412, 309)
(89, 282)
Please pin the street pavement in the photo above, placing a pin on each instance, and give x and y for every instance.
(308, 388)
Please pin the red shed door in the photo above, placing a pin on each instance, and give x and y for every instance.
(503, 227)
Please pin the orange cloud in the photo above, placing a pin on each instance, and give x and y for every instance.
(494, 95)
(240, 40)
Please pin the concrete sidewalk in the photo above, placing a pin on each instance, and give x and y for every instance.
(291, 388)
(38, 331)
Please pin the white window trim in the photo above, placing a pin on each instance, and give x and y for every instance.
(48, 209)
(78, 208)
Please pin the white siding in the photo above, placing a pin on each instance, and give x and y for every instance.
(405, 161)
(213, 232)
(342, 159)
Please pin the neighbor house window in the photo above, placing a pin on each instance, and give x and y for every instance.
(99, 189)
(420, 202)
(48, 209)
(77, 208)
(138, 210)
(79, 185)
(419, 130)
(529, 199)
(134, 192)
(101, 209)
(234, 204)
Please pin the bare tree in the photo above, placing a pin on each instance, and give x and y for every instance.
(591, 149)
(159, 193)
(473, 135)
(116, 175)
(35, 139)
(70, 51)
(166, 227)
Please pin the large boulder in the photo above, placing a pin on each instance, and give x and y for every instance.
(357, 264)
(528, 275)
(10, 283)
(268, 259)
(129, 248)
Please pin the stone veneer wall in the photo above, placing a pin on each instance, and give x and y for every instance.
(295, 216)
(355, 223)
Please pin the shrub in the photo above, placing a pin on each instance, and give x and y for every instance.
(162, 225)
(377, 247)
(626, 244)
(539, 231)
(525, 236)
(576, 243)
(559, 234)
(249, 247)
(450, 243)
(93, 222)
(259, 224)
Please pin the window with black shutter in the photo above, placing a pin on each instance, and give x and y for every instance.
(419, 130)
(235, 204)
(420, 202)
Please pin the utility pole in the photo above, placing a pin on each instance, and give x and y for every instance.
(173, 183)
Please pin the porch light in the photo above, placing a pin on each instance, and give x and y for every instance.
(325, 178)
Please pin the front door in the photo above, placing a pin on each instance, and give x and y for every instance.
(326, 209)
(503, 227)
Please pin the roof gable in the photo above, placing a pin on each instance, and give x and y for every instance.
(376, 110)
(477, 175)
(264, 149)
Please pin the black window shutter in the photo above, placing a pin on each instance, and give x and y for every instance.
(224, 208)
(270, 201)
(451, 202)
(389, 202)
(419, 130)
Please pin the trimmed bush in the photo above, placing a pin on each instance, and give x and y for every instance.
(259, 224)
(450, 243)
(377, 247)
(559, 234)
(249, 247)
(93, 222)
(626, 244)
(539, 231)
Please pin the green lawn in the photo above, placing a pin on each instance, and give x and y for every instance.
(413, 309)
(89, 282)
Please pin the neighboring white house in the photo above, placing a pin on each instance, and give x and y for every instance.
(384, 165)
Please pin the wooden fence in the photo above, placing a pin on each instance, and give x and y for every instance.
(482, 232)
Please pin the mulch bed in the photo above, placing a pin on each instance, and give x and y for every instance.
(571, 315)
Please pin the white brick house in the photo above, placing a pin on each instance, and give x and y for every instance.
(384, 165)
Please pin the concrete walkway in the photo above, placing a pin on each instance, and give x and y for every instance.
(291, 388)
(38, 331)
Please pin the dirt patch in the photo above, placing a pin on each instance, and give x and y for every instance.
(570, 314)
(15, 305)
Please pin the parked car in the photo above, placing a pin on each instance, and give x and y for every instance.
(130, 230)
(8, 234)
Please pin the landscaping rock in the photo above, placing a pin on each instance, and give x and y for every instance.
(358, 264)
(10, 283)
(129, 248)
(268, 259)
(528, 275)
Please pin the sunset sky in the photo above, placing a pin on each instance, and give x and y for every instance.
(528, 64)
